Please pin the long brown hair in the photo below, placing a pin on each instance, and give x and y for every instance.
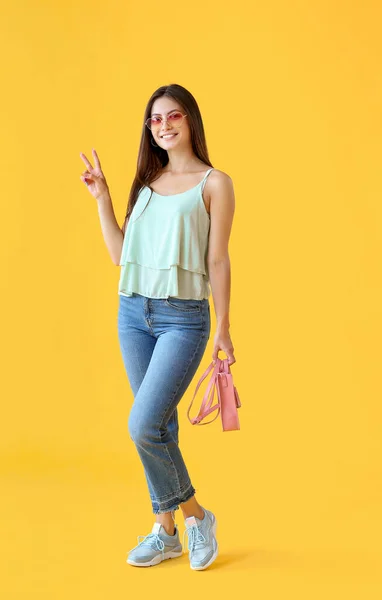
(152, 159)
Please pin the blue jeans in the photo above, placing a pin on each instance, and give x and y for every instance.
(162, 342)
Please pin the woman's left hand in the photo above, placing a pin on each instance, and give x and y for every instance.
(222, 341)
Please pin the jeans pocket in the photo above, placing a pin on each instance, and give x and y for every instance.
(183, 304)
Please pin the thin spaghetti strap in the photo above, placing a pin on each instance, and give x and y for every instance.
(205, 177)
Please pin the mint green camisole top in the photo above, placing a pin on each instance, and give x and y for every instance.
(165, 246)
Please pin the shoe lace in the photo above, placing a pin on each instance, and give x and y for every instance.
(195, 537)
(152, 540)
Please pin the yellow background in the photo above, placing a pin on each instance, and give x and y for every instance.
(290, 93)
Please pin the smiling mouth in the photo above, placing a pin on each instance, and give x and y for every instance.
(168, 135)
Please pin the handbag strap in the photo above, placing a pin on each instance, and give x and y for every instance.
(211, 384)
(206, 406)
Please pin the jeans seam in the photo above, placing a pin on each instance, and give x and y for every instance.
(172, 503)
(171, 496)
(186, 371)
(175, 391)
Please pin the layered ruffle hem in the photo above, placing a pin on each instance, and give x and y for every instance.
(165, 247)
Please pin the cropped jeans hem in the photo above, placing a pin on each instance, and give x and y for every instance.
(173, 503)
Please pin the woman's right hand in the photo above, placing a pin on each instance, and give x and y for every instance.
(93, 176)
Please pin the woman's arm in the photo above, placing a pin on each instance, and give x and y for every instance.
(222, 208)
(112, 233)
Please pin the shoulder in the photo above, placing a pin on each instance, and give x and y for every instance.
(218, 178)
(218, 182)
(219, 185)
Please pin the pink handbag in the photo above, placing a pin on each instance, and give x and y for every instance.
(228, 397)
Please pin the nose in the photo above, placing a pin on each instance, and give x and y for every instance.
(165, 124)
(167, 130)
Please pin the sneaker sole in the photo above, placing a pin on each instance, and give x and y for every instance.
(156, 560)
(214, 556)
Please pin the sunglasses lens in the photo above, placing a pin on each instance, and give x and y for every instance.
(174, 118)
(154, 122)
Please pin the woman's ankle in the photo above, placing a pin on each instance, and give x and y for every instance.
(167, 524)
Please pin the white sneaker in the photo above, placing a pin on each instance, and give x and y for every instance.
(155, 547)
(202, 543)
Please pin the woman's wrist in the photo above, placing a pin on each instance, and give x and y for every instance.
(104, 198)
(222, 324)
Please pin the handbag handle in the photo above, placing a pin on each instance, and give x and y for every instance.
(206, 407)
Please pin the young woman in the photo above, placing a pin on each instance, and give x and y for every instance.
(173, 245)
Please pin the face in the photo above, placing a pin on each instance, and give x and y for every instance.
(164, 106)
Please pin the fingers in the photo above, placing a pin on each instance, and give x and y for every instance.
(96, 159)
(87, 163)
(85, 175)
(230, 356)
